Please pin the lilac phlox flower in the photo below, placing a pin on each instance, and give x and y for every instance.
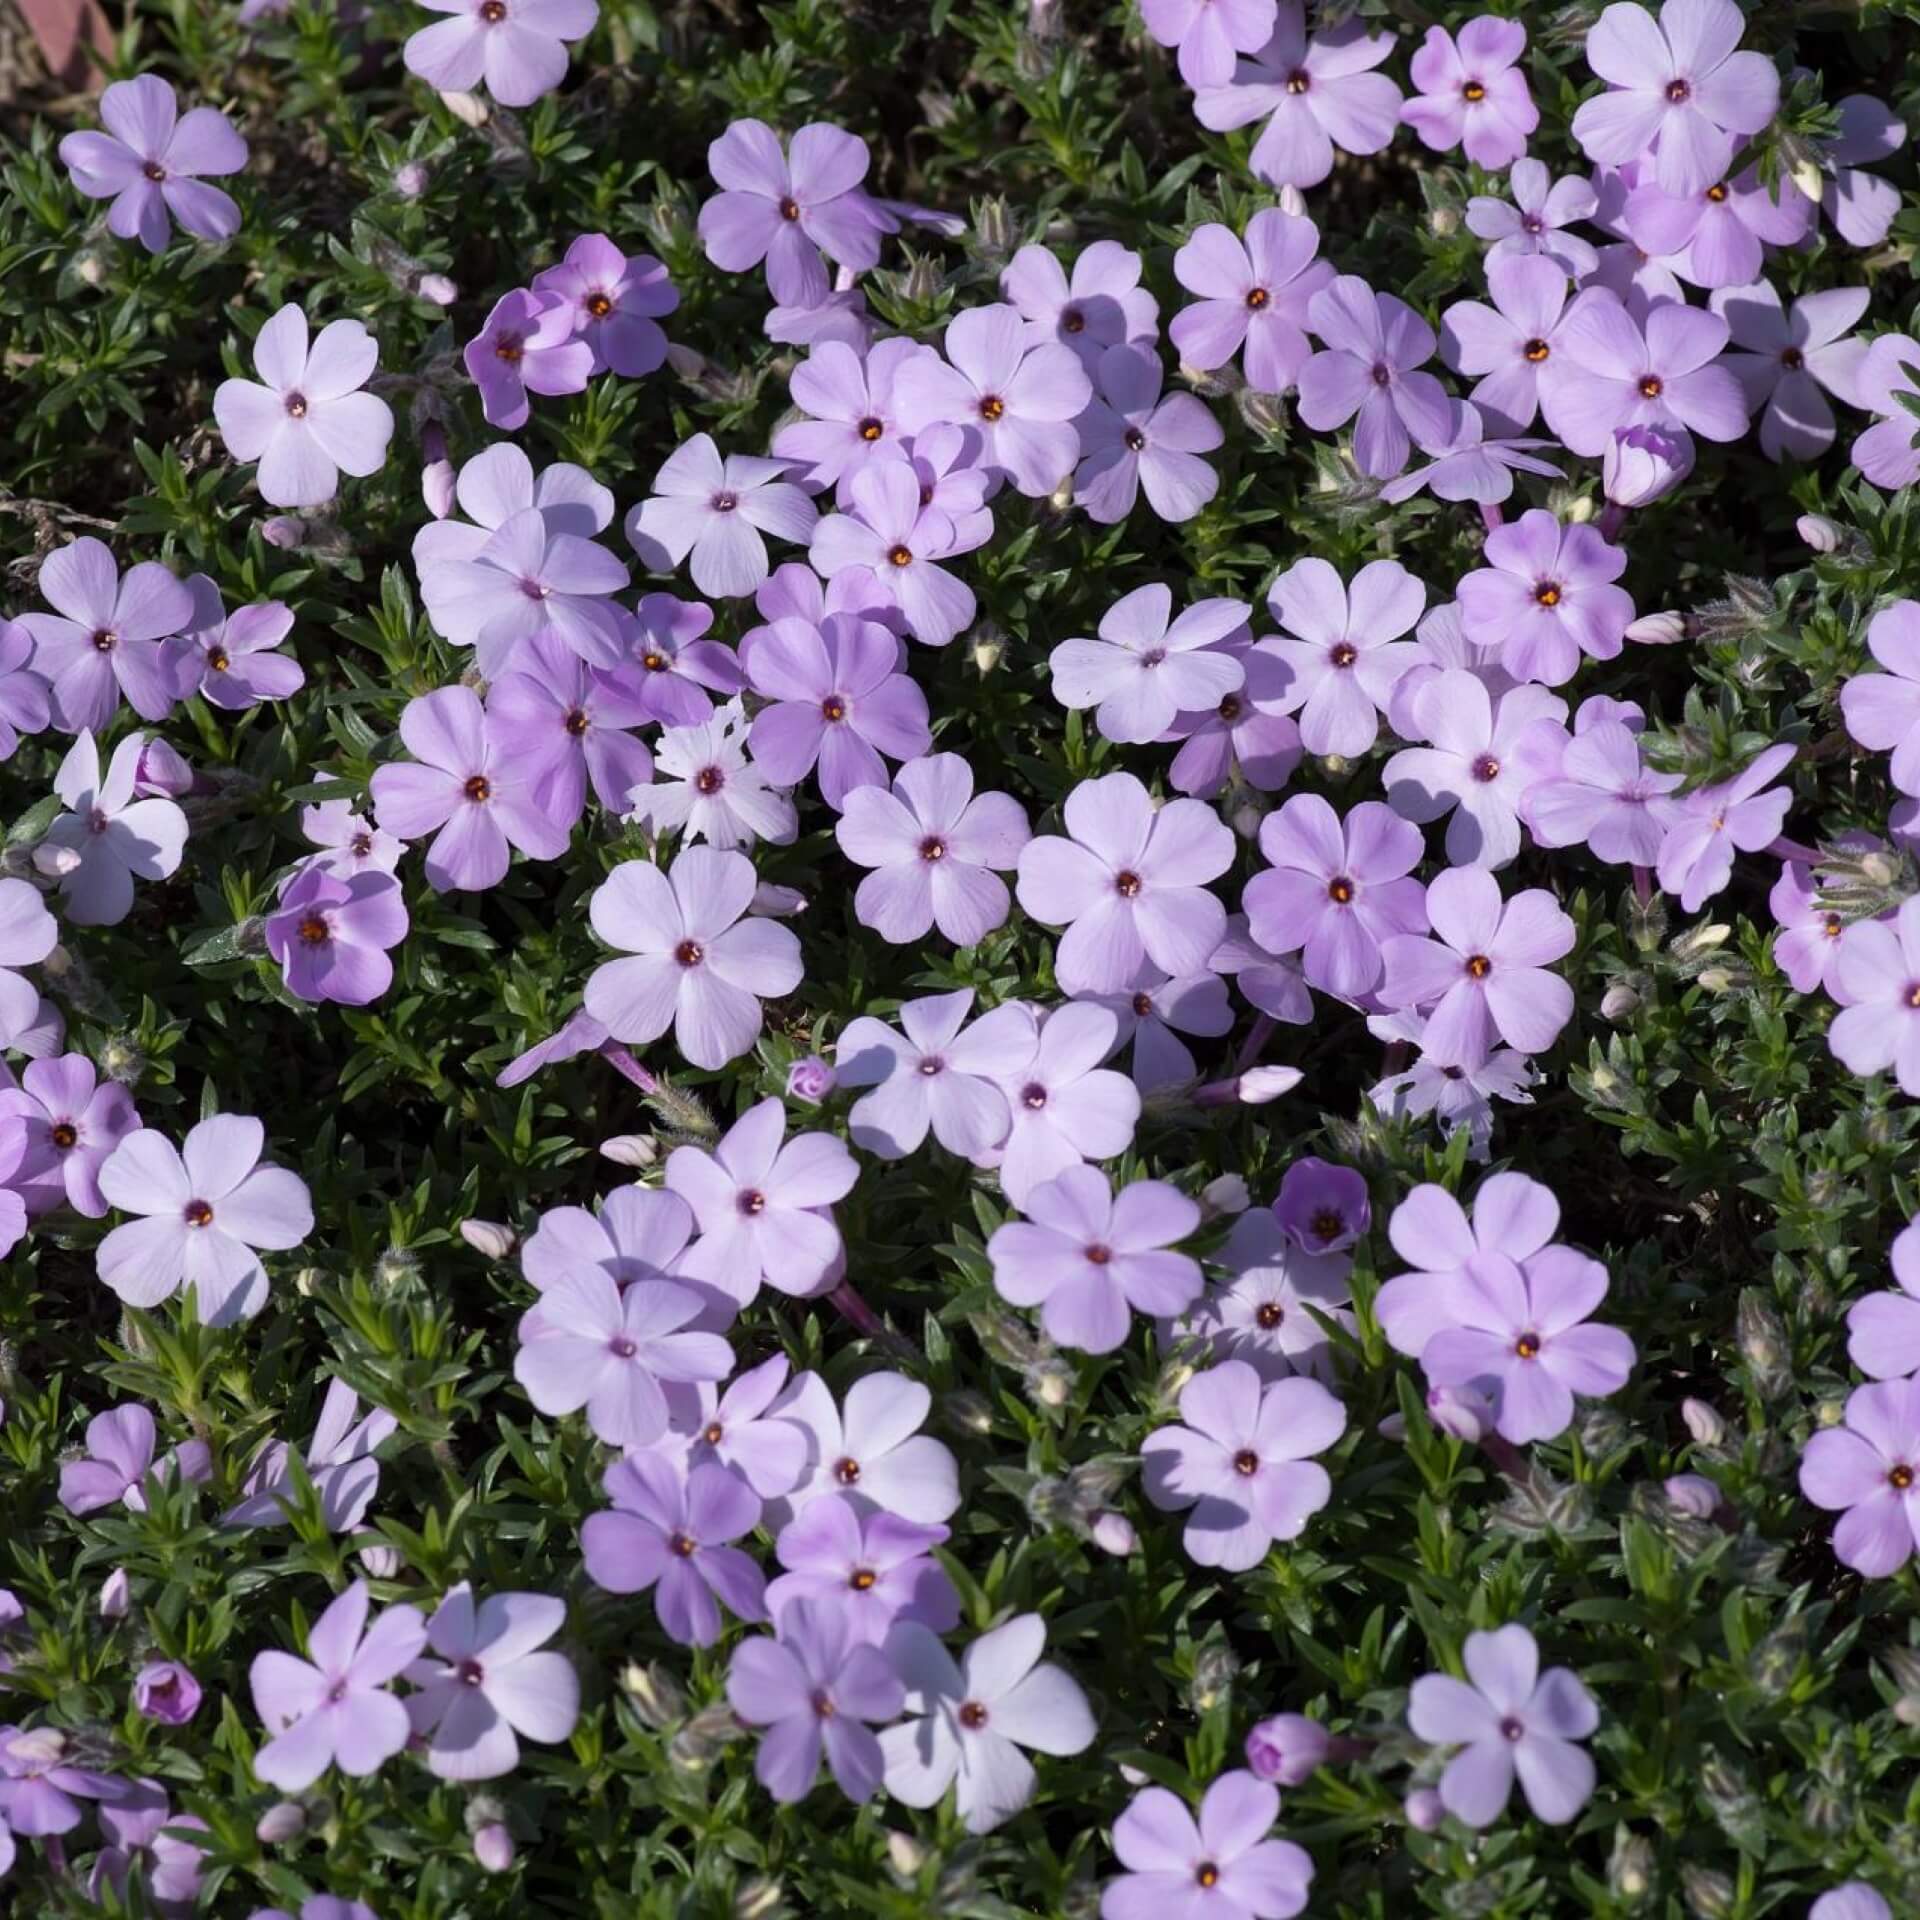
(854, 420)
(617, 302)
(681, 669)
(1128, 884)
(239, 666)
(788, 208)
(638, 1233)
(1324, 1208)
(330, 936)
(527, 345)
(1103, 305)
(1132, 439)
(1536, 219)
(736, 1429)
(142, 1827)
(762, 1203)
(461, 788)
(1676, 86)
(107, 636)
(1878, 981)
(1021, 399)
(1247, 733)
(841, 316)
(1709, 824)
(1598, 794)
(1473, 769)
(1148, 666)
(1221, 1865)
(1154, 1010)
(937, 1073)
(26, 697)
(1473, 94)
(1619, 371)
(695, 964)
(1343, 645)
(1089, 1258)
(1442, 641)
(1064, 1105)
(118, 839)
(491, 1682)
(967, 1723)
(73, 1122)
(1883, 1329)
(892, 534)
(1319, 92)
(517, 46)
(706, 787)
(1486, 973)
(339, 1461)
(1717, 238)
(872, 1452)
(1242, 1461)
(1807, 947)
(349, 843)
(28, 934)
(333, 1708)
(1860, 206)
(817, 1686)
(933, 845)
(118, 1460)
(1469, 466)
(496, 484)
(1642, 464)
(1788, 359)
(1269, 1313)
(1335, 890)
(165, 1691)
(1276, 987)
(305, 420)
(575, 719)
(836, 699)
(1288, 1749)
(206, 1207)
(1209, 34)
(711, 512)
(1853, 1901)
(39, 1788)
(1888, 452)
(1253, 294)
(872, 1568)
(587, 1344)
(1511, 1719)
(1372, 347)
(1865, 1470)
(672, 1529)
(1510, 344)
(150, 164)
(946, 460)
(1457, 1097)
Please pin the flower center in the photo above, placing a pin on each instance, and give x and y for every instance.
(535, 590)
(64, 1135)
(933, 848)
(1154, 656)
(621, 1346)
(1126, 884)
(1343, 653)
(296, 406)
(1327, 1225)
(1792, 359)
(598, 305)
(577, 722)
(789, 209)
(1099, 1256)
(932, 1064)
(862, 1579)
(834, 707)
(713, 1433)
(1474, 91)
(1229, 708)
(362, 844)
(1142, 1005)
(1269, 1314)
(1528, 1346)
(689, 953)
(1537, 350)
(1913, 995)
(1679, 92)
(1246, 1463)
(1652, 387)
(724, 502)
(1382, 374)
(1033, 1096)
(900, 556)
(822, 1704)
(97, 822)
(1901, 1477)
(154, 171)
(709, 780)
(1511, 1729)
(847, 1471)
(471, 1673)
(973, 1716)
(871, 429)
(1486, 768)
(336, 1693)
(654, 662)
(508, 347)
(218, 660)
(1479, 966)
(314, 931)
(1206, 1874)
(992, 407)
(1257, 297)
(196, 1213)
(684, 1545)
(1532, 223)
(752, 1202)
(105, 640)
(1833, 926)
(1135, 439)
(479, 789)
(1547, 593)
(1717, 192)
(1340, 891)
(1072, 320)
(1299, 80)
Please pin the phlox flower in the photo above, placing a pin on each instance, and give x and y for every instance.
(206, 1207)
(695, 964)
(1147, 666)
(681, 670)
(934, 1076)
(1853, 1901)
(490, 1682)
(528, 344)
(461, 788)
(1511, 1719)
(141, 1827)
(119, 1457)
(239, 666)
(1602, 797)
(73, 1121)
(517, 46)
(1473, 94)
(891, 534)
(1242, 1462)
(1154, 1010)
(1089, 1258)
(166, 1692)
(1367, 371)
(872, 1568)
(1865, 1470)
(40, 1788)
(305, 419)
(1247, 733)
(340, 1461)
(330, 935)
(1717, 238)
(1486, 974)
(1788, 359)
(108, 636)
(573, 719)
(1512, 344)
(1322, 1207)
(706, 788)
(1209, 34)
(1128, 884)
(789, 208)
(26, 702)
(967, 1724)
(854, 419)
(1254, 295)
(1222, 1864)
(711, 512)
(28, 933)
(617, 301)
(1536, 219)
(1860, 206)
(1709, 824)
(871, 1452)
(1103, 305)
(1878, 1025)
(1335, 890)
(1456, 1096)
(1807, 947)
(671, 1529)
(1263, 1313)
(333, 1708)
(349, 843)
(150, 163)
(936, 849)
(1883, 1329)
(1620, 371)
(736, 1428)
(637, 1234)
(1469, 466)
(1131, 439)
(1318, 93)
(1888, 452)
(761, 1201)
(1276, 986)
(1344, 648)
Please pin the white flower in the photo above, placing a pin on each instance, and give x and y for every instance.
(706, 788)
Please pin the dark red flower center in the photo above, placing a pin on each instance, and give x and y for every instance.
(973, 1716)
(689, 953)
(654, 662)
(822, 1704)
(933, 848)
(1536, 349)
(1299, 80)
(1135, 439)
(1792, 359)
(1206, 1874)
(1340, 891)
(622, 1347)
(1901, 1478)
(1679, 92)
(847, 1472)
(296, 406)
(314, 931)
(1142, 1004)
(1033, 1096)
(154, 171)
(932, 1064)
(64, 1135)
(1511, 1729)
(1547, 593)
(900, 556)
(683, 1545)
(1381, 374)
(1343, 653)
(872, 429)
(1473, 91)
(862, 1579)
(1327, 1224)
(471, 1673)
(1269, 1314)
(1652, 387)
(1229, 708)
(1486, 768)
(197, 1213)
(713, 1433)
(1126, 884)
(724, 502)
(1717, 192)
(1479, 966)
(577, 722)
(789, 209)
(1833, 926)
(834, 707)
(508, 346)
(1257, 297)
(709, 780)
(105, 640)
(752, 1202)
(1246, 1462)
(1099, 1256)
(1528, 1346)
(217, 660)
(598, 305)
(992, 407)
(479, 789)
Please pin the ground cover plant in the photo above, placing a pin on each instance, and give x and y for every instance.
(960, 959)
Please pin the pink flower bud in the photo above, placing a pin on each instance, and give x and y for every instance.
(1113, 1533)
(284, 530)
(776, 903)
(437, 290)
(161, 772)
(1227, 1194)
(1424, 1809)
(164, 1690)
(287, 1820)
(489, 1237)
(1695, 1494)
(810, 1080)
(1703, 1423)
(493, 1847)
(1464, 1412)
(436, 487)
(411, 180)
(54, 863)
(382, 1562)
(630, 1150)
(1657, 630)
(1820, 533)
(116, 1596)
(1642, 463)
(1287, 1748)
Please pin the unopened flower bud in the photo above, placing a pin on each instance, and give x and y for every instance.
(810, 1080)
(1763, 1343)
(1287, 1748)
(468, 108)
(437, 487)
(1392, 1426)
(161, 771)
(395, 1270)
(1619, 1002)
(284, 530)
(1214, 1672)
(1693, 1494)
(1292, 201)
(1265, 413)
(1639, 464)
(493, 1847)
(776, 903)
(165, 1691)
(631, 1150)
(482, 1811)
(1444, 221)
(1699, 941)
(1820, 533)
(1703, 1423)
(1113, 1533)
(411, 180)
(382, 1563)
(1259, 1086)
(1051, 1383)
(924, 279)
(967, 1412)
(1630, 1866)
(1246, 819)
(760, 1900)
(656, 1695)
(489, 1237)
(438, 291)
(1227, 1194)
(905, 1854)
(1658, 629)
(1424, 1809)
(992, 228)
(285, 1820)
(1709, 1895)
(116, 1595)
(989, 649)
